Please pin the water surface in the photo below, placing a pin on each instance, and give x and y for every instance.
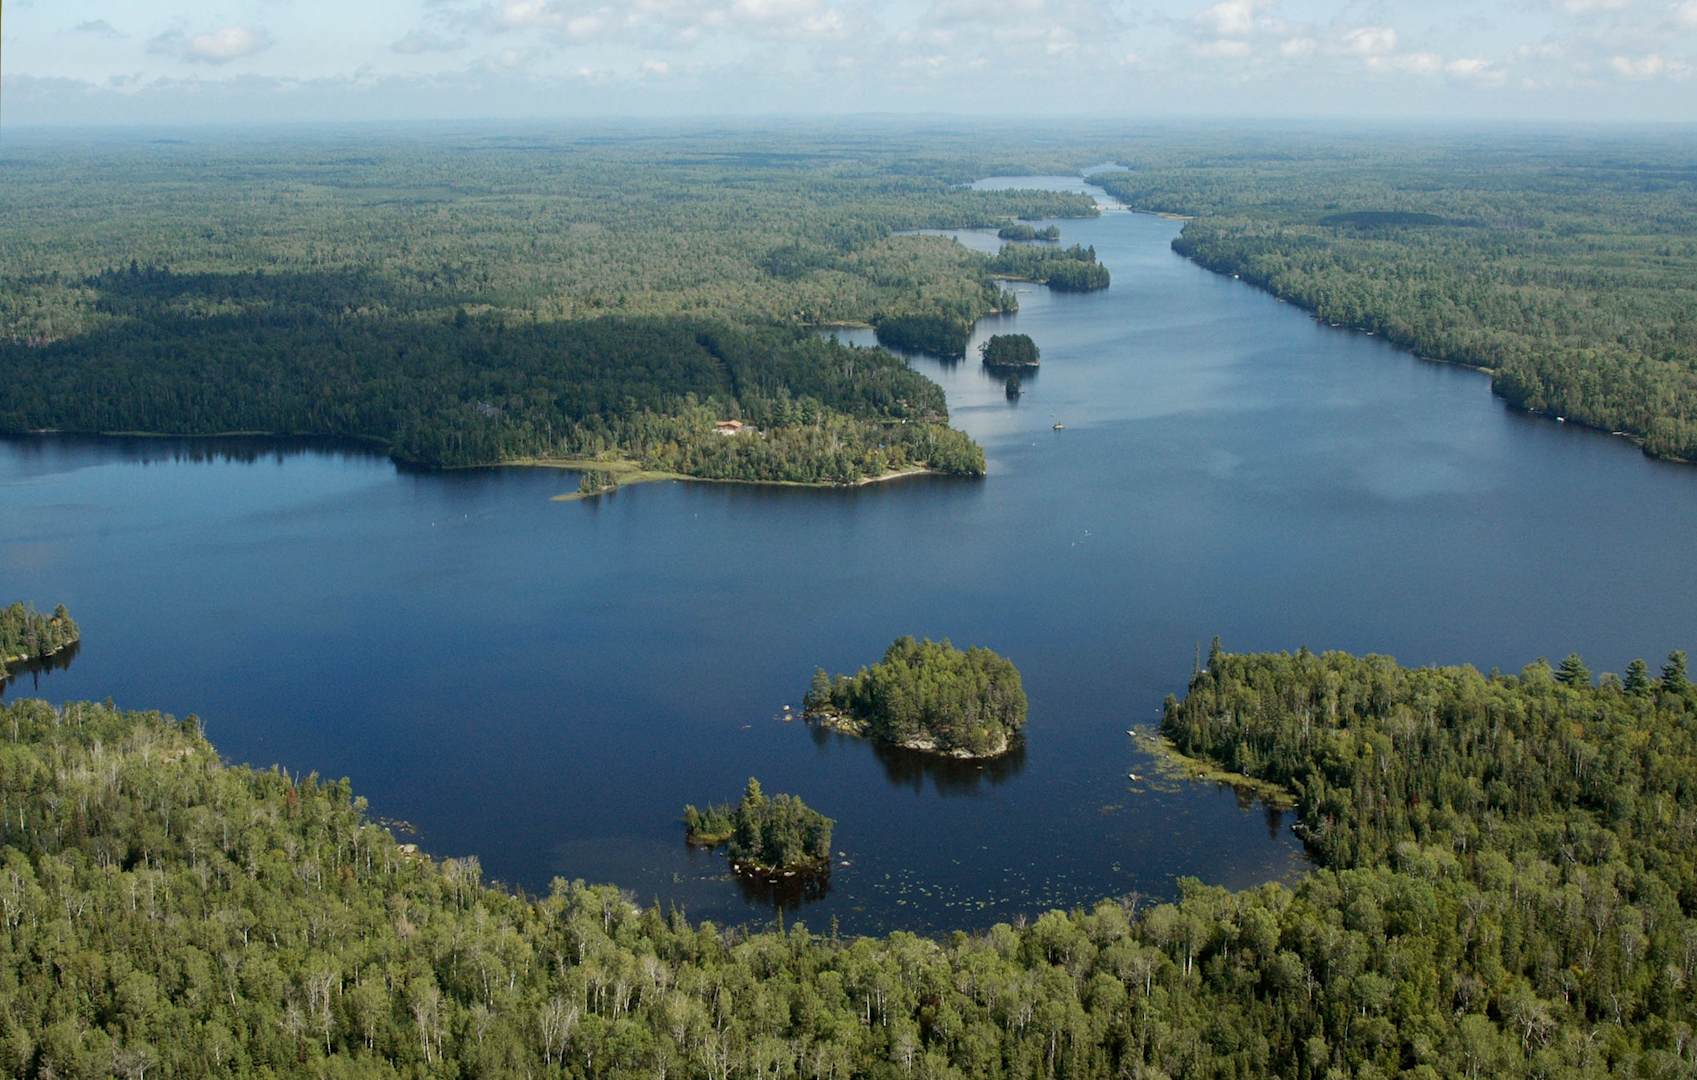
(546, 684)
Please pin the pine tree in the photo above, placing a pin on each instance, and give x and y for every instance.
(1673, 672)
(1637, 678)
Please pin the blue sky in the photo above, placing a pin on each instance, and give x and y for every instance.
(93, 61)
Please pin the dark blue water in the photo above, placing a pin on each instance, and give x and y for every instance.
(545, 684)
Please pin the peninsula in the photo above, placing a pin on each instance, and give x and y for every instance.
(927, 696)
(26, 634)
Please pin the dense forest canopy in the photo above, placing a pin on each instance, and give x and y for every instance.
(764, 832)
(928, 695)
(27, 634)
(1505, 890)
(461, 389)
(1010, 351)
(468, 301)
(1566, 265)
(1074, 269)
(1019, 230)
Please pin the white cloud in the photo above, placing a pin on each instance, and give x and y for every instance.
(1476, 69)
(669, 21)
(1594, 7)
(656, 67)
(1227, 19)
(1420, 63)
(214, 47)
(1297, 46)
(1369, 40)
(1640, 67)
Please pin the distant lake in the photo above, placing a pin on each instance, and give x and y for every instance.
(545, 684)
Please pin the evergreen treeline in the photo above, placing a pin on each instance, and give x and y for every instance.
(1020, 231)
(928, 695)
(1511, 859)
(27, 634)
(342, 355)
(1505, 891)
(1564, 266)
(939, 335)
(1009, 351)
(463, 304)
(764, 832)
(1074, 268)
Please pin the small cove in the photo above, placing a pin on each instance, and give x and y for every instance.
(545, 685)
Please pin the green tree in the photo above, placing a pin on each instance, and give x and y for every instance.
(1637, 678)
(1573, 671)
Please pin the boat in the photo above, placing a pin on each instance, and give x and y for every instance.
(1060, 427)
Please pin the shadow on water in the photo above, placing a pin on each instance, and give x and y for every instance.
(786, 894)
(184, 449)
(949, 776)
(36, 668)
(910, 769)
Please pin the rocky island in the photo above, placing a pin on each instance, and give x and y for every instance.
(927, 696)
(767, 837)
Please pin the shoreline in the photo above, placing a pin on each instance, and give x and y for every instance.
(1639, 441)
(6, 662)
(626, 472)
(1172, 763)
(848, 725)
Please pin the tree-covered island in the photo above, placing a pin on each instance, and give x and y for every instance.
(766, 836)
(927, 696)
(1020, 231)
(1072, 269)
(1009, 351)
(26, 634)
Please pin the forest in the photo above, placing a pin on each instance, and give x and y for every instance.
(927, 695)
(1504, 888)
(467, 301)
(26, 634)
(1010, 351)
(764, 833)
(315, 354)
(942, 336)
(1019, 230)
(1073, 269)
(1564, 265)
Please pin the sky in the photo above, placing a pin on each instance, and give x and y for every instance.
(68, 62)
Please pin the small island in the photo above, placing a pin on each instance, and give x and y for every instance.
(596, 481)
(26, 634)
(1009, 351)
(927, 696)
(1072, 269)
(767, 838)
(1020, 231)
(940, 335)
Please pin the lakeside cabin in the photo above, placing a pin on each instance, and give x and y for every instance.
(728, 427)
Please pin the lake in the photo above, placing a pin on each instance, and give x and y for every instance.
(546, 684)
